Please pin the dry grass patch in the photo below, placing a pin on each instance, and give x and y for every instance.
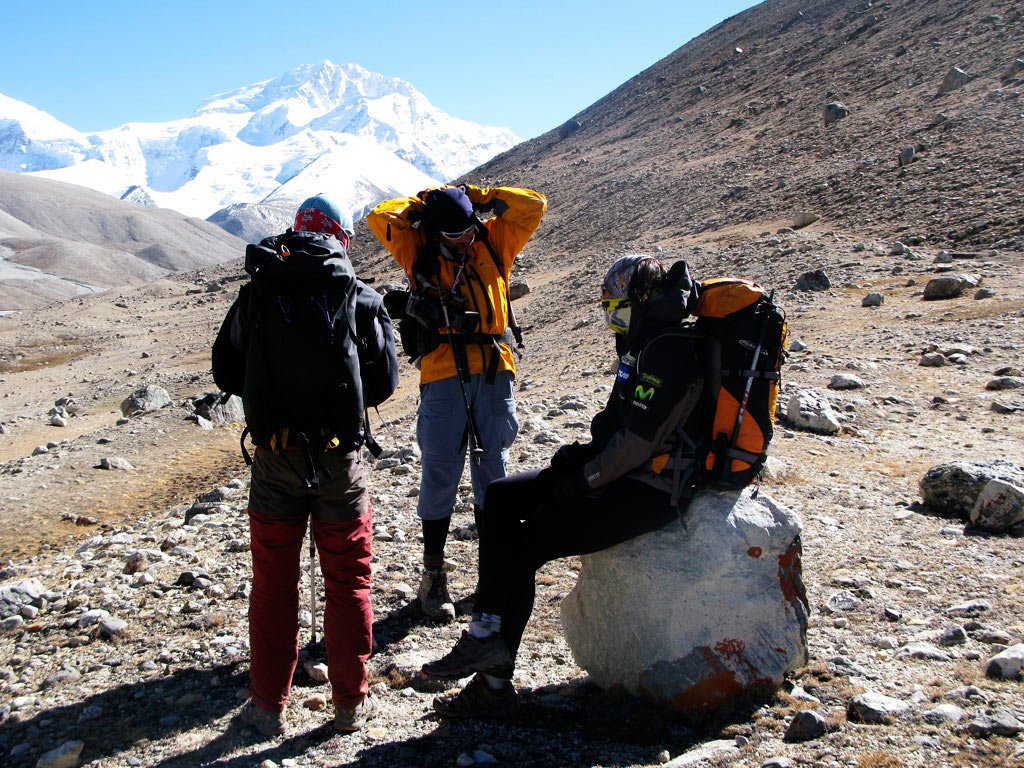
(878, 760)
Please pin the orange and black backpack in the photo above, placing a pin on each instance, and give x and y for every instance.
(747, 335)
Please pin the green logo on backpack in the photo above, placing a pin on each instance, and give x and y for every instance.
(643, 395)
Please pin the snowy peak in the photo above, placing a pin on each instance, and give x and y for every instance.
(242, 147)
(33, 140)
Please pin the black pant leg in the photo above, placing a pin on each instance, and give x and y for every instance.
(525, 528)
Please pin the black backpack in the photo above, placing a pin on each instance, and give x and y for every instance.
(299, 373)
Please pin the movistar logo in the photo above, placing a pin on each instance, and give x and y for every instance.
(643, 394)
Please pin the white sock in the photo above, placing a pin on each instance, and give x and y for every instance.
(484, 625)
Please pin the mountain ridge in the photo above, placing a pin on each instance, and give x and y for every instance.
(240, 146)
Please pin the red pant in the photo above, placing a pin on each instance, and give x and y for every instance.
(345, 550)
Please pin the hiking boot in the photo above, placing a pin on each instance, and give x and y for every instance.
(488, 654)
(433, 595)
(355, 718)
(263, 720)
(478, 700)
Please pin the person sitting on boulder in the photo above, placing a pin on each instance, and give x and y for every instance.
(624, 483)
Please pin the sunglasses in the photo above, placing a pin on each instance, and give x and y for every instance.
(617, 313)
(459, 235)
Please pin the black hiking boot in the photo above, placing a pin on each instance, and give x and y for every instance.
(478, 700)
(489, 654)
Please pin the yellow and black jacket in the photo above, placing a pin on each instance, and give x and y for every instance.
(482, 281)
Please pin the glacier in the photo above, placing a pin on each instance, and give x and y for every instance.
(358, 135)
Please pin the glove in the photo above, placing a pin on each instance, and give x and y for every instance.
(569, 457)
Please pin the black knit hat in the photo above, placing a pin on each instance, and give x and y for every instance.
(447, 210)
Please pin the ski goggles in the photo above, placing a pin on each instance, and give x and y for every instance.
(459, 235)
(617, 313)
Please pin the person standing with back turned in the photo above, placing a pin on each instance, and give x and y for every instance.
(458, 268)
(308, 346)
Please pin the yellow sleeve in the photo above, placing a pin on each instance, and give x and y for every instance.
(390, 223)
(517, 214)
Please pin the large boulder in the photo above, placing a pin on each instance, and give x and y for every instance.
(1000, 506)
(145, 399)
(697, 615)
(954, 488)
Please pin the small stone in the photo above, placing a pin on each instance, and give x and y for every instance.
(806, 725)
(1007, 665)
(943, 714)
(315, 703)
(846, 381)
(67, 755)
(954, 635)
(115, 462)
(317, 671)
(873, 707)
(874, 299)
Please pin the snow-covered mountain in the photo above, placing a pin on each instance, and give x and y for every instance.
(356, 134)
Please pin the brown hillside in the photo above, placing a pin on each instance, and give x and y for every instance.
(711, 155)
(728, 132)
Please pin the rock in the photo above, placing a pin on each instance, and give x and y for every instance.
(115, 462)
(1013, 70)
(943, 714)
(517, 289)
(843, 600)
(737, 619)
(148, 398)
(932, 359)
(1002, 722)
(816, 280)
(924, 651)
(949, 286)
(14, 599)
(954, 635)
(835, 111)
(1006, 665)
(875, 708)
(67, 755)
(811, 410)
(984, 293)
(907, 156)
(719, 749)
(317, 671)
(955, 78)
(210, 407)
(954, 488)
(970, 608)
(846, 381)
(804, 219)
(806, 725)
(1005, 382)
(1000, 505)
(874, 299)
(568, 128)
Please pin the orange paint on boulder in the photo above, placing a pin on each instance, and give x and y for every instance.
(790, 570)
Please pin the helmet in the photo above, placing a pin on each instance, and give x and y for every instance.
(631, 279)
(320, 214)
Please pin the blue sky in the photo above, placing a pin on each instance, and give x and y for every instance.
(527, 65)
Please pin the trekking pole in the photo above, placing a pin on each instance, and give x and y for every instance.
(746, 390)
(475, 448)
(312, 585)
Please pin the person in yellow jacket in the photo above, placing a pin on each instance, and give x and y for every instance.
(456, 245)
